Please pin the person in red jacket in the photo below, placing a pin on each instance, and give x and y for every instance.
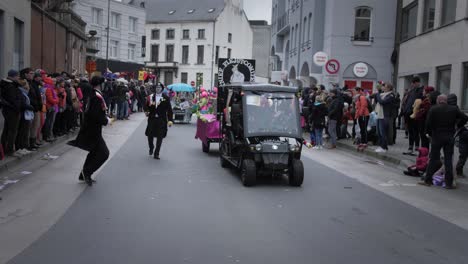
(362, 115)
(52, 109)
(420, 167)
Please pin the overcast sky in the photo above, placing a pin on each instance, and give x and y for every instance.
(258, 9)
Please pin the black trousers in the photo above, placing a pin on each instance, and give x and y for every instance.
(445, 142)
(96, 157)
(422, 134)
(461, 162)
(10, 130)
(159, 141)
(363, 122)
(22, 139)
(413, 130)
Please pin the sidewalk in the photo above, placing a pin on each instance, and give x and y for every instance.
(395, 153)
(9, 161)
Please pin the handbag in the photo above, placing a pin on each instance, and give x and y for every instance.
(28, 115)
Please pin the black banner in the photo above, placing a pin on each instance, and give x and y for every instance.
(235, 71)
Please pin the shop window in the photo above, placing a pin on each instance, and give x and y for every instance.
(443, 79)
(367, 86)
(351, 84)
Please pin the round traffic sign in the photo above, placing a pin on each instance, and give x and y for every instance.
(332, 66)
(360, 70)
(320, 58)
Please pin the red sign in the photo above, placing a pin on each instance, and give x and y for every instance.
(332, 66)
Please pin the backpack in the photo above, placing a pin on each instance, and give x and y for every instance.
(369, 106)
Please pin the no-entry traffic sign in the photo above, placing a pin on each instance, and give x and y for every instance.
(332, 66)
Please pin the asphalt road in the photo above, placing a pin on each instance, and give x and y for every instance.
(185, 208)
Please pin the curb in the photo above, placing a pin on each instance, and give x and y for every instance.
(11, 162)
(370, 153)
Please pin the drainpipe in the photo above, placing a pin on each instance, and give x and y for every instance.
(298, 71)
(397, 42)
(213, 63)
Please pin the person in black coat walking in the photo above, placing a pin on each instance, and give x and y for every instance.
(440, 126)
(159, 111)
(90, 136)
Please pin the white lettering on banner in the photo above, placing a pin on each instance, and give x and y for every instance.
(233, 61)
(360, 70)
(320, 58)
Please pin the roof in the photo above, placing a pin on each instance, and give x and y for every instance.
(263, 87)
(183, 10)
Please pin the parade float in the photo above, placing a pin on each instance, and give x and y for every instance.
(208, 127)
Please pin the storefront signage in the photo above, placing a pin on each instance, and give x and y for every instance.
(320, 58)
(360, 70)
(332, 66)
(235, 71)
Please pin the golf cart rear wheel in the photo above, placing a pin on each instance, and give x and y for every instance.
(248, 173)
(296, 173)
(206, 147)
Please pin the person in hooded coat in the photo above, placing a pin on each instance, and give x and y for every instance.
(90, 136)
(159, 112)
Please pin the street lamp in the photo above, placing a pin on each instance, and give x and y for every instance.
(107, 29)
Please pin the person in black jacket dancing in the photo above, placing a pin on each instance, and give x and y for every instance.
(158, 109)
(90, 136)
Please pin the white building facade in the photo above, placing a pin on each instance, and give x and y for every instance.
(15, 35)
(434, 46)
(184, 47)
(358, 34)
(127, 27)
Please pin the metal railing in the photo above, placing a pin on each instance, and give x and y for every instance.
(282, 21)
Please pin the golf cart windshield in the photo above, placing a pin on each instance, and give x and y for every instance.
(271, 114)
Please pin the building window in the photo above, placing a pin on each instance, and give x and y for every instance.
(429, 15)
(115, 20)
(465, 87)
(201, 34)
(169, 53)
(132, 25)
(170, 34)
(409, 21)
(154, 53)
(143, 46)
(296, 34)
(114, 48)
(449, 10)
(186, 34)
(96, 16)
(362, 24)
(230, 37)
(308, 26)
(184, 77)
(185, 54)
(443, 79)
(217, 55)
(200, 54)
(18, 52)
(131, 51)
(229, 53)
(155, 34)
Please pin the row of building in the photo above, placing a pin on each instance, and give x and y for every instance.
(368, 41)
(180, 41)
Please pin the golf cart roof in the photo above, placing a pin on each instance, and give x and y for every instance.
(262, 87)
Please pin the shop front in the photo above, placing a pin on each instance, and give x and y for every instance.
(360, 74)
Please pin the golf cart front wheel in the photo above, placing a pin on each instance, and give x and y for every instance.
(296, 173)
(248, 173)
